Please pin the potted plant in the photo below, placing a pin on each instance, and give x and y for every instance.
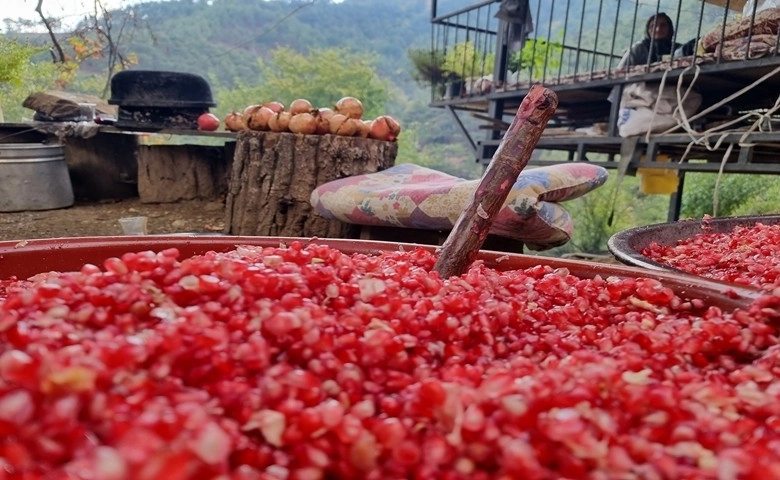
(428, 67)
(464, 60)
(537, 58)
(448, 69)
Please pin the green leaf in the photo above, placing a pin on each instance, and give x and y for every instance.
(15, 60)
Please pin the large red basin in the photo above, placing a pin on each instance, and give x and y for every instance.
(26, 258)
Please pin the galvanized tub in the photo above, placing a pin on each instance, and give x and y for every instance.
(33, 176)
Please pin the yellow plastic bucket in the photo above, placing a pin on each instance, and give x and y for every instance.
(655, 184)
(653, 181)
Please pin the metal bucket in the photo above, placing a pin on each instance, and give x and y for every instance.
(33, 176)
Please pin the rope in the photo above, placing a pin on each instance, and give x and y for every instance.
(655, 105)
(719, 131)
(20, 132)
(702, 138)
(264, 32)
(678, 110)
(727, 99)
(716, 192)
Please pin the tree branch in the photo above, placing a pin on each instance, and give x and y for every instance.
(60, 57)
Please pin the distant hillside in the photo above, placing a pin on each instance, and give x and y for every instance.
(224, 39)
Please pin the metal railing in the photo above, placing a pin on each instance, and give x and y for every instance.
(483, 47)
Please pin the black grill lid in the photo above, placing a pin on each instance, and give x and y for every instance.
(150, 88)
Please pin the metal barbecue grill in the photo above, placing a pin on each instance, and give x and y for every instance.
(156, 100)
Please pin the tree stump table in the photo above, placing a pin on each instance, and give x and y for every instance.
(273, 175)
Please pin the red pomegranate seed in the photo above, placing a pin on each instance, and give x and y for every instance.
(305, 363)
(745, 255)
(407, 453)
(18, 367)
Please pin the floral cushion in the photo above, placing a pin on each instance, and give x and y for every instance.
(412, 196)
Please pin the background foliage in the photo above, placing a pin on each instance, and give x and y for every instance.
(19, 76)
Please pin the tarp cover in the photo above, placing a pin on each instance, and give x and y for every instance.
(64, 106)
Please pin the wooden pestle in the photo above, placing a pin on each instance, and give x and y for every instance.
(472, 227)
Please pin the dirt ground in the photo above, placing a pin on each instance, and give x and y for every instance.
(101, 219)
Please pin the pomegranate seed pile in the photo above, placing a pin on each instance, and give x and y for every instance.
(748, 255)
(304, 363)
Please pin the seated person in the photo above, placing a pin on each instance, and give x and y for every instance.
(658, 41)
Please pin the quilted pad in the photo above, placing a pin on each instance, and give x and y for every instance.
(412, 196)
(766, 22)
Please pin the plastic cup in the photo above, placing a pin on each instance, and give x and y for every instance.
(87, 112)
(133, 225)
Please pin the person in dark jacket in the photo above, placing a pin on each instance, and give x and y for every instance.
(658, 41)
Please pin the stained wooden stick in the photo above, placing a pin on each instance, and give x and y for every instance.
(512, 155)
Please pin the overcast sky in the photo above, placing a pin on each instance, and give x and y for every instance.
(67, 10)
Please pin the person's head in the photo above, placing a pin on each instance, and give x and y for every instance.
(659, 27)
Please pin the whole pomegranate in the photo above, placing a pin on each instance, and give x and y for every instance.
(208, 122)
(349, 106)
(234, 122)
(384, 128)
